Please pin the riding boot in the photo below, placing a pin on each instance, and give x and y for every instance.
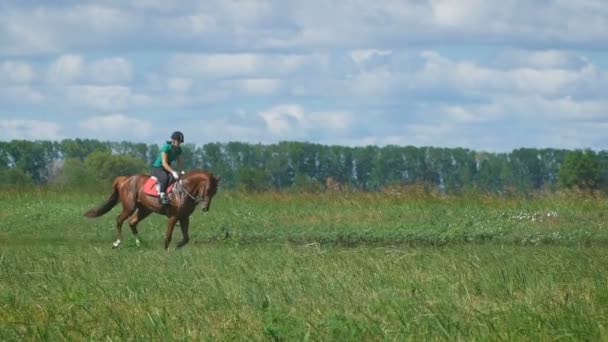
(164, 199)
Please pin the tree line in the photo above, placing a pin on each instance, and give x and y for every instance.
(290, 164)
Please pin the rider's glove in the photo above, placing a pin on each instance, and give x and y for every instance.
(175, 175)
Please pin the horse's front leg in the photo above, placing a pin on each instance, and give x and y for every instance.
(170, 225)
(184, 223)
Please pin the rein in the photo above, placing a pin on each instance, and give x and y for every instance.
(196, 199)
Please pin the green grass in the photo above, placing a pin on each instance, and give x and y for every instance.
(345, 266)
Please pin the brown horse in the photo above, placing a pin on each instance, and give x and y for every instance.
(194, 187)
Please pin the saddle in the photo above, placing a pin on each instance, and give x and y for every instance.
(150, 187)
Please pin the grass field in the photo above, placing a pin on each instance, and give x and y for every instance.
(333, 266)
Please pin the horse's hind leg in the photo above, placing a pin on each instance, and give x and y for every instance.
(184, 223)
(127, 210)
(119, 221)
(141, 214)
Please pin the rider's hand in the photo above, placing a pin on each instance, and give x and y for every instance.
(175, 175)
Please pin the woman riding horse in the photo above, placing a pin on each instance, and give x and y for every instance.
(194, 187)
(161, 167)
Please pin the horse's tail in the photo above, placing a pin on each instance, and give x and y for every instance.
(110, 202)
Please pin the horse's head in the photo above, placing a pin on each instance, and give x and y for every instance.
(207, 190)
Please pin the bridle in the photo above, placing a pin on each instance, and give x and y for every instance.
(196, 199)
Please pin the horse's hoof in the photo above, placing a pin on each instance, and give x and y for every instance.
(182, 244)
(115, 244)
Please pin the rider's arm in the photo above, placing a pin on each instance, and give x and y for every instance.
(166, 164)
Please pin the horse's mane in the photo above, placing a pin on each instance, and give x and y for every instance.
(200, 173)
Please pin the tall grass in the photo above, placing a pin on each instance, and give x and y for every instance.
(329, 266)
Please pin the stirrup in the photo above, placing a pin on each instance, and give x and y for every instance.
(164, 200)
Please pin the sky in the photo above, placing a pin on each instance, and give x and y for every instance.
(478, 74)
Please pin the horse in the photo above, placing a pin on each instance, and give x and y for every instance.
(197, 186)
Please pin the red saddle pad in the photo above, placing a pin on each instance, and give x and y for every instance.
(150, 187)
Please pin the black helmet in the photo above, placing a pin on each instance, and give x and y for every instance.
(177, 135)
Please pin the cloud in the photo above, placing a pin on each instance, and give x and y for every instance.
(179, 84)
(74, 69)
(29, 130)
(363, 55)
(15, 72)
(214, 65)
(259, 86)
(117, 127)
(36, 29)
(291, 121)
(193, 25)
(30, 28)
(541, 59)
(439, 72)
(115, 70)
(25, 95)
(66, 70)
(470, 77)
(105, 98)
(211, 66)
(284, 119)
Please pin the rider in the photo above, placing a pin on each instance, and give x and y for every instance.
(161, 168)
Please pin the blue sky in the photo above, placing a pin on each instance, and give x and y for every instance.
(484, 75)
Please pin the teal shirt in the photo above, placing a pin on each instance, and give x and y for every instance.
(171, 154)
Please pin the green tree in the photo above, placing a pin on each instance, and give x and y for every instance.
(213, 158)
(580, 169)
(107, 166)
(14, 177)
(80, 148)
(252, 179)
(364, 165)
(31, 157)
(74, 173)
(280, 166)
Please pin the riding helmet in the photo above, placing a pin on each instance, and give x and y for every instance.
(177, 135)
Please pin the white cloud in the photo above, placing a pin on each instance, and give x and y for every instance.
(371, 83)
(291, 121)
(29, 129)
(106, 98)
(117, 127)
(179, 85)
(259, 86)
(575, 135)
(213, 65)
(72, 69)
(442, 72)
(21, 94)
(52, 28)
(283, 119)
(360, 56)
(156, 5)
(16, 72)
(247, 65)
(191, 25)
(541, 59)
(33, 28)
(115, 70)
(67, 69)
(562, 111)
(330, 120)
